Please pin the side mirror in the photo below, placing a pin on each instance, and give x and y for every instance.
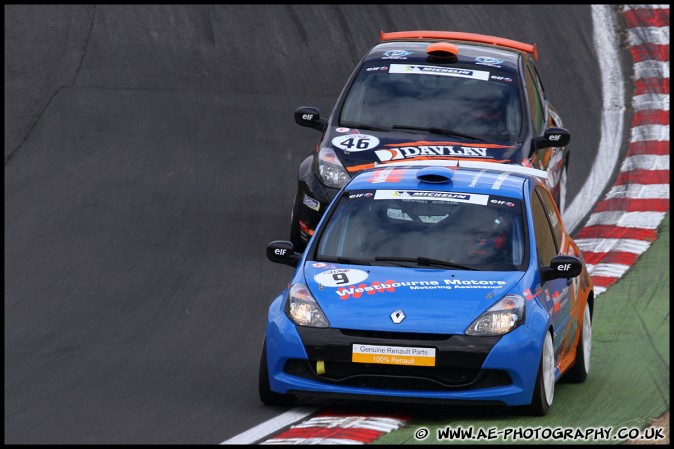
(282, 251)
(310, 117)
(552, 137)
(562, 267)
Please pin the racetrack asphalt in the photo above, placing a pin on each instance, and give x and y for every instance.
(150, 156)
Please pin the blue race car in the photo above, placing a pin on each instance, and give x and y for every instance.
(452, 282)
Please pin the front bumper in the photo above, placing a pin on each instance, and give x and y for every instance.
(477, 370)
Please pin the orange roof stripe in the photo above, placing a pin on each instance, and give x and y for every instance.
(460, 36)
(357, 168)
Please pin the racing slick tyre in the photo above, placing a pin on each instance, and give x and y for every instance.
(267, 396)
(295, 237)
(544, 390)
(581, 367)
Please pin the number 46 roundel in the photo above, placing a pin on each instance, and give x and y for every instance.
(355, 142)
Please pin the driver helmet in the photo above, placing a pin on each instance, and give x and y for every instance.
(490, 239)
(488, 101)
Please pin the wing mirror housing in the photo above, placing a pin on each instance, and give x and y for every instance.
(283, 251)
(310, 116)
(552, 137)
(566, 267)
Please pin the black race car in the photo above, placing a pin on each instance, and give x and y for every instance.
(422, 95)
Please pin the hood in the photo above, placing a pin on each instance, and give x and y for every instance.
(432, 300)
(359, 149)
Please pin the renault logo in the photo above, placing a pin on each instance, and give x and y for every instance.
(398, 316)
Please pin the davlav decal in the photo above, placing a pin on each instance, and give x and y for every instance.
(393, 154)
(442, 71)
(355, 142)
(340, 277)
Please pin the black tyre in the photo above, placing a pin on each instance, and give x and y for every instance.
(267, 396)
(544, 390)
(581, 366)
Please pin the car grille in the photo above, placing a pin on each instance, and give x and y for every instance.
(458, 364)
(419, 378)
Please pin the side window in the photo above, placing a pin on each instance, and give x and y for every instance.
(553, 218)
(535, 101)
(545, 241)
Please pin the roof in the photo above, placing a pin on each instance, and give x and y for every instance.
(485, 178)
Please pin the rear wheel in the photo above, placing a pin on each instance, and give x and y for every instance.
(544, 390)
(581, 367)
(267, 396)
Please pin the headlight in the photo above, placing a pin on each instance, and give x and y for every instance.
(303, 309)
(500, 319)
(331, 169)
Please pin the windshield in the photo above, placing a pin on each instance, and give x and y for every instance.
(463, 231)
(469, 101)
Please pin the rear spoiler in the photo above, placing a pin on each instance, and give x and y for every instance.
(460, 36)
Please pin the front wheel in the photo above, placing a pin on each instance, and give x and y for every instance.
(267, 396)
(581, 367)
(544, 390)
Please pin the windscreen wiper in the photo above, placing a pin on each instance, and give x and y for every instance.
(357, 261)
(361, 126)
(346, 260)
(445, 132)
(425, 261)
